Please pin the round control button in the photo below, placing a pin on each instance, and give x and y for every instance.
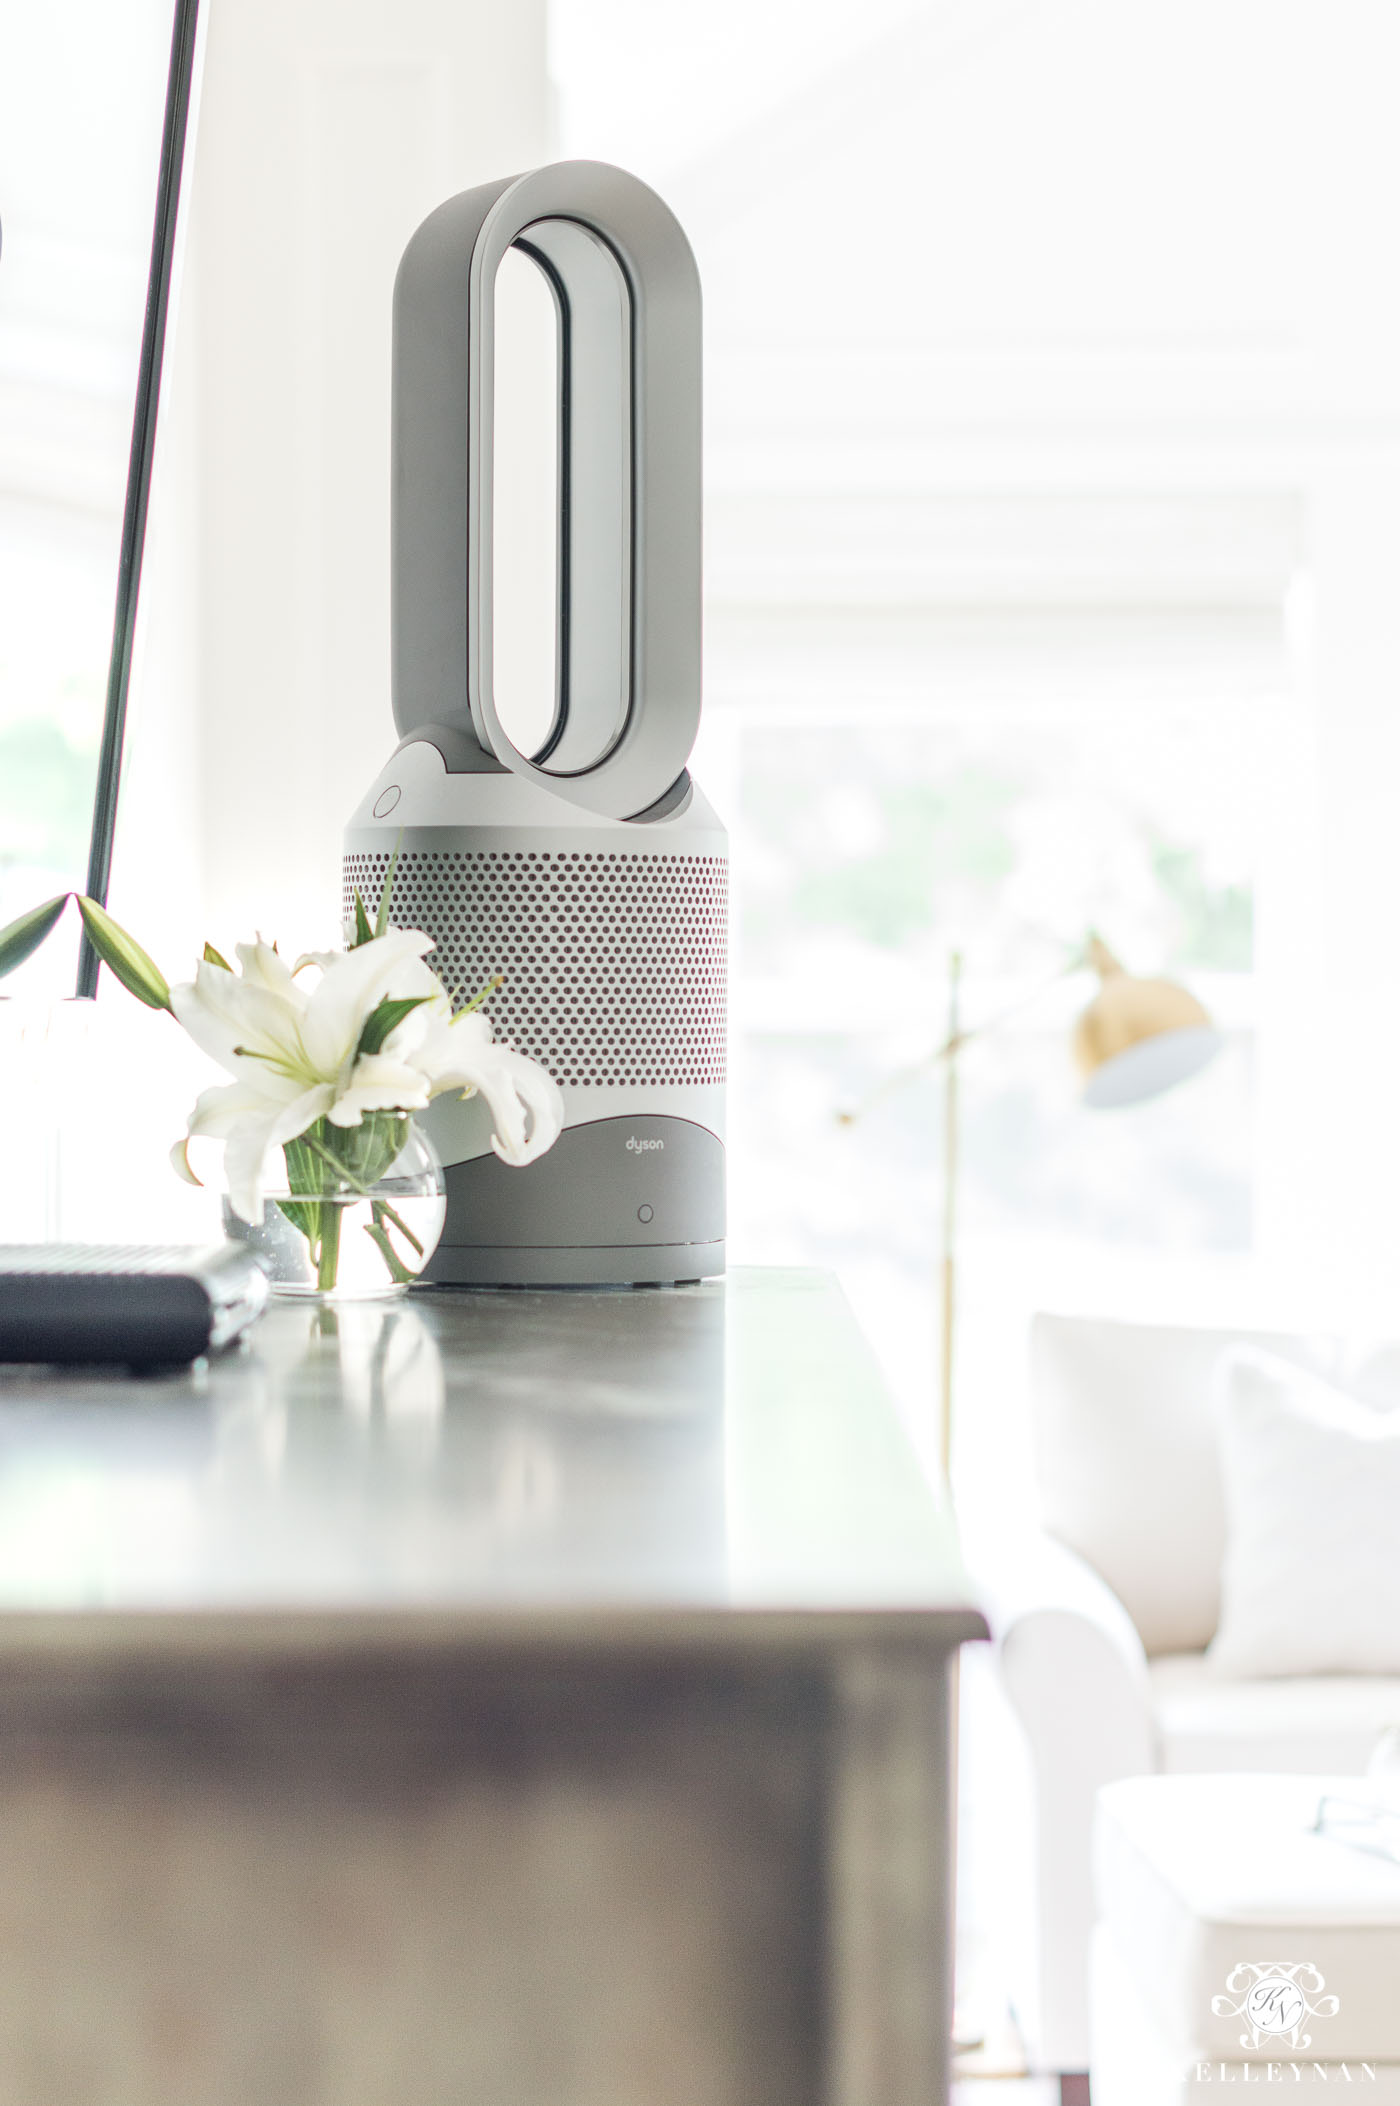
(644, 1213)
(386, 800)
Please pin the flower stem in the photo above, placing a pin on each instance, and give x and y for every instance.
(328, 1257)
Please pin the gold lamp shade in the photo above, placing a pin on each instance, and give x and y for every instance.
(1138, 1037)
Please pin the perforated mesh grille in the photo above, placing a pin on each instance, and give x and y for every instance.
(614, 964)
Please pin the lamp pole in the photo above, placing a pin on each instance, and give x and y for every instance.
(1137, 1038)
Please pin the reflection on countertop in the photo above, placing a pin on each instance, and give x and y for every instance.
(719, 1447)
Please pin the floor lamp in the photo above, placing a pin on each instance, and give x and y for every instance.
(1137, 1038)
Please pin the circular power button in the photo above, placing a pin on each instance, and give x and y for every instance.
(386, 800)
(644, 1213)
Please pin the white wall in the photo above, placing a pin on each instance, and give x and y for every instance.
(328, 128)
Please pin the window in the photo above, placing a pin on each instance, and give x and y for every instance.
(992, 657)
(81, 93)
(1008, 801)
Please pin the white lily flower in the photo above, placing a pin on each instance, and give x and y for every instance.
(293, 1053)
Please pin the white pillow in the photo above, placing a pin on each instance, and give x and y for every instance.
(1311, 1579)
(1126, 1459)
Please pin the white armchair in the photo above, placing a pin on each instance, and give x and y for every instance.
(1077, 1677)
(1103, 1623)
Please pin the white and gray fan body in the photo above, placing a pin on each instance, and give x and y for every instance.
(592, 873)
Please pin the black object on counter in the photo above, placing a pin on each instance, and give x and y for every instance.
(134, 1305)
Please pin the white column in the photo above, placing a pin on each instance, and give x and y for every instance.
(1354, 1000)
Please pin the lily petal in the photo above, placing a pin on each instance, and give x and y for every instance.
(544, 1103)
(218, 1112)
(222, 1012)
(180, 1162)
(349, 990)
(263, 965)
(379, 1083)
(527, 1106)
(250, 1145)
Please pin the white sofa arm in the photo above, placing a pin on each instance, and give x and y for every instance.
(1075, 1672)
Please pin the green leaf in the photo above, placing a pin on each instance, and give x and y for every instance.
(305, 1217)
(342, 1173)
(23, 937)
(386, 897)
(375, 1142)
(363, 932)
(381, 1021)
(212, 957)
(123, 956)
(305, 1171)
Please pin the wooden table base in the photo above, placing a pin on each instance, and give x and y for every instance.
(624, 1881)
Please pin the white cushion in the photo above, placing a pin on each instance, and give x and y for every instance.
(1196, 1875)
(1125, 1444)
(1300, 1723)
(1373, 1375)
(1311, 1580)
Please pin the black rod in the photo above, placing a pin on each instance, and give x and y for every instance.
(179, 87)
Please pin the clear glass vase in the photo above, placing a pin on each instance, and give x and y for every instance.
(358, 1214)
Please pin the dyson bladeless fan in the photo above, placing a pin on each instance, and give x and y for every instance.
(591, 872)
